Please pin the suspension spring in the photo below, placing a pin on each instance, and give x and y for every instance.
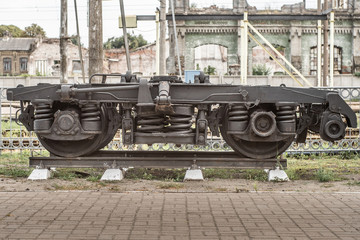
(90, 117)
(43, 111)
(181, 120)
(286, 118)
(238, 113)
(44, 117)
(285, 114)
(180, 123)
(90, 112)
(238, 118)
(151, 123)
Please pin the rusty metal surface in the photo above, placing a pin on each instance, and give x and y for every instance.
(158, 159)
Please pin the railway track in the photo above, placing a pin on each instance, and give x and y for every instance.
(158, 159)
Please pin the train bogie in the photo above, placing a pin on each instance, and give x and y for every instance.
(256, 121)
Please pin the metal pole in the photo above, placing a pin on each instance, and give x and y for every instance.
(157, 43)
(319, 55)
(332, 35)
(162, 37)
(63, 43)
(326, 43)
(175, 36)
(125, 35)
(79, 42)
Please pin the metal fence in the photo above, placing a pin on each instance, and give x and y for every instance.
(15, 137)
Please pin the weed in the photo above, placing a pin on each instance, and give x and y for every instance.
(255, 186)
(239, 190)
(324, 175)
(353, 183)
(94, 178)
(256, 174)
(175, 175)
(15, 172)
(261, 69)
(171, 185)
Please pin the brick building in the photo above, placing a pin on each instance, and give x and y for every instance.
(38, 57)
(14, 55)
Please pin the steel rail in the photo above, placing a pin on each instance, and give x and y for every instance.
(158, 159)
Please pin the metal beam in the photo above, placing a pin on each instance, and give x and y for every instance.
(236, 17)
(283, 17)
(158, 159)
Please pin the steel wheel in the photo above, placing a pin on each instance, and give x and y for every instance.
(77, 148)
(112, 130)
(254, 149)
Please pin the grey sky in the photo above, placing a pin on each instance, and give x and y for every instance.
(46, 13)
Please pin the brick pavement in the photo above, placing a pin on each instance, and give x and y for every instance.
(95, 215)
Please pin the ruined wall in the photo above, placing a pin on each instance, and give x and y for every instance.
(143, 60)
(45, 60)
(297, 37)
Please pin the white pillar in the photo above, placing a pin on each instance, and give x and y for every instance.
(332, 35)
(244, 49)
(319, 55)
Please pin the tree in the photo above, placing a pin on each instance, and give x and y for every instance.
(74, 40)
(35, 30)
(11, 30)
(134, 42)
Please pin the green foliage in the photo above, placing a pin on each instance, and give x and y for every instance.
(32, 31)
(171, 185)
(74, 40)
(357, 74)
(261, 69)
(15, 172)
(324, 175)
(135, 41)
(14, 31)
(209, 70)
(35, 30)
(176, 175)
(256, 174)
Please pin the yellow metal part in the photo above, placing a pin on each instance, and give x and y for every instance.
(131, 21)
(274, 58)
(279, 54)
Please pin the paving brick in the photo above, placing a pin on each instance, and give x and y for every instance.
(227, 216)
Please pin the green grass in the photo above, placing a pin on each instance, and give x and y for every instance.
(15, 157)
(175, 175)
(323, 167)
(15, 172)
(171, 185)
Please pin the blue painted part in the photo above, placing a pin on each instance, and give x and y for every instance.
(190, 74)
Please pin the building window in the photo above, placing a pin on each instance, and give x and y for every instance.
(76, 64)
(337, 59)
(41, 67)
(7, 65)
(23, 64)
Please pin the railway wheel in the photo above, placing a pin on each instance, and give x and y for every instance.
(114, 124)
(71, 148)
(253, 149)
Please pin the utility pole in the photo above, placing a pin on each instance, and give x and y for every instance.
(326, 43)
(319, 56)
(126, 41)
(79, 42)
(63, 42)
(162, 37)
(95, 38)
